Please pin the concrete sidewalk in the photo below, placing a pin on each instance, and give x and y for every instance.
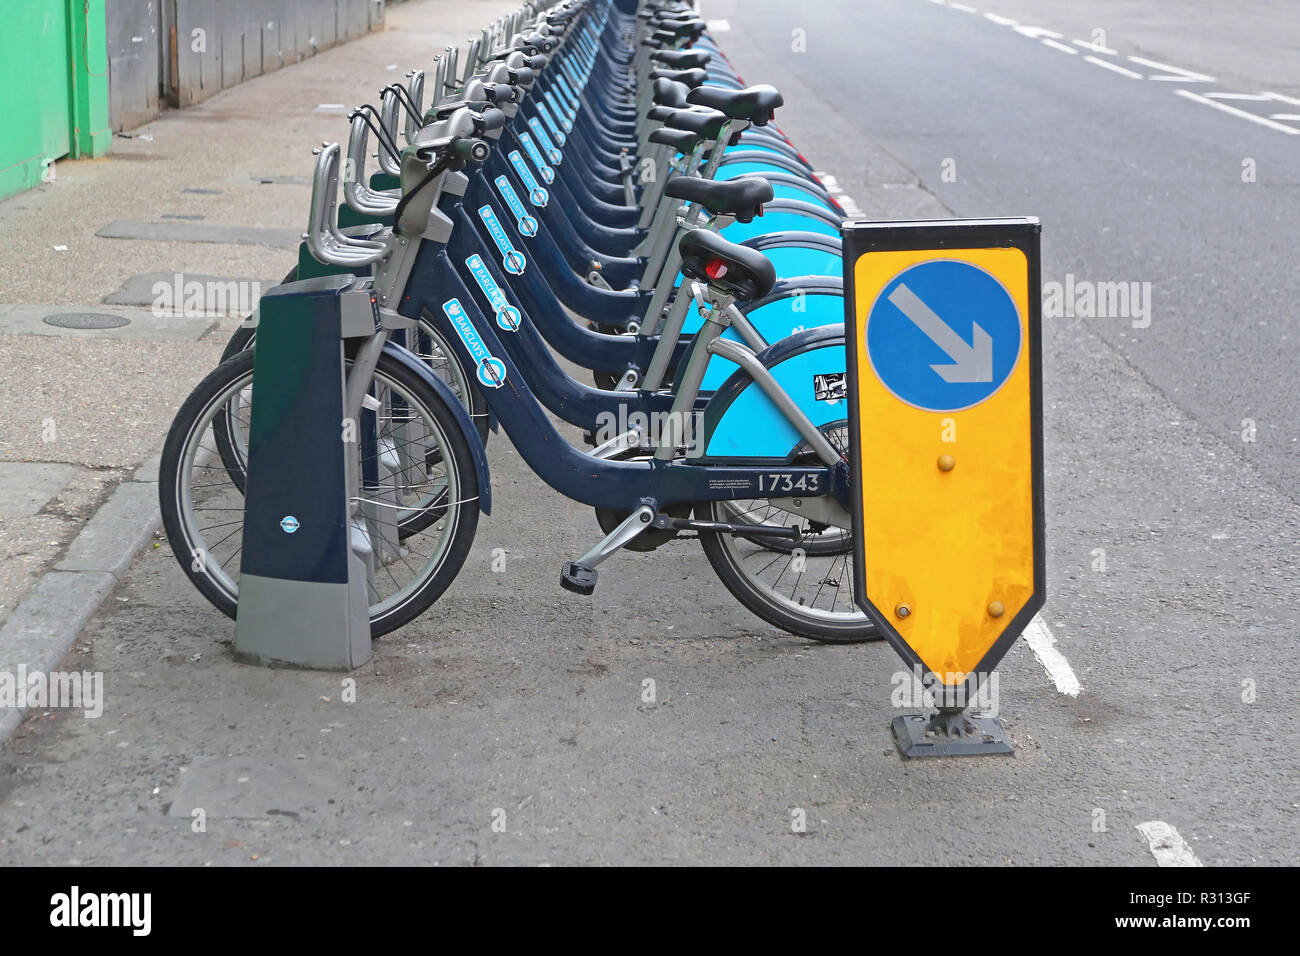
(101, 337)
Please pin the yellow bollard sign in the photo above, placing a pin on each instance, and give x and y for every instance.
(945, 393)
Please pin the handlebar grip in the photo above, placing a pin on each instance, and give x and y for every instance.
(499, 93)
(493, 119)
(523, 76)
(471, 150)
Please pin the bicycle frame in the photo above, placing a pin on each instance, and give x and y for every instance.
(436, 292)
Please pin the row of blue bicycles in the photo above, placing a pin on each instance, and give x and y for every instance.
(588, 184)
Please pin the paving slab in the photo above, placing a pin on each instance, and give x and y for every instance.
(171, 290)
(80, 323)
(187, 232)
(25, 487)
(99, 402)
(271, 179)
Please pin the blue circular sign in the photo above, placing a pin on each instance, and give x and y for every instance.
(943, 335)
(289, 524)
(508, 318)
(492, 372)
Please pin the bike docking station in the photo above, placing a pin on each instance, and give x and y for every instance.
(944, 328)
(303, 597)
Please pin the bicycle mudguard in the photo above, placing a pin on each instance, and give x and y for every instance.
(786, 214)
(476, 449)
(756, 160)
(801, 253)
(741, 424)
(778, 319)
(792, 261)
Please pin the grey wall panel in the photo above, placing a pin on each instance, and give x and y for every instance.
(274, 14)
(304, 35)
(358, 18)
(324, 23)
(134, 61)
(242, 39)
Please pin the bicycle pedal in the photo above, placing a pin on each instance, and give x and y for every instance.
(576, 578)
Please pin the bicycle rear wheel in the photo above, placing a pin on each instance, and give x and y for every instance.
(804, 587)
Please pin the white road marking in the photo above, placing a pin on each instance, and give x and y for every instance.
(1061, 46)
(1176, 73)
(1037, 33)
(1197, 98)
(717, 26)
(839, 195)
(1040, 640)
(1115, 67)
(1095, 47)
(1166, 845)
(1254, 97)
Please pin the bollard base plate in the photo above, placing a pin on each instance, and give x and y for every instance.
(948, 733)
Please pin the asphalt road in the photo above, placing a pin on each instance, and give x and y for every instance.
(1145, 425)
(516, 702)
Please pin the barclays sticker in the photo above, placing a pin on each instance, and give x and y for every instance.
(550, 122)
(512, 260)
(491, 370)
(508, 317)
(539, 130)
(536, 194)
(547, 174)
(288, 524)
(527, 224)
(562, 84)
(565, 122)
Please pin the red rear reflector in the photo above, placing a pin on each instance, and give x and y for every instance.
(716, 269)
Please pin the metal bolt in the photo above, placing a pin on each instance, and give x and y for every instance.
(997, 609)
(903, 610)
(645, 518)
(947, 462)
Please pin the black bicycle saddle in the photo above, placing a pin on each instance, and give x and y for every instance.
(726, 266)
(742, 197)
(756, 103)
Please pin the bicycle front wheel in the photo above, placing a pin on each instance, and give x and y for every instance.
(203, 508)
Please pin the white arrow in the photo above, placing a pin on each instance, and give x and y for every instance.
(974, 363)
